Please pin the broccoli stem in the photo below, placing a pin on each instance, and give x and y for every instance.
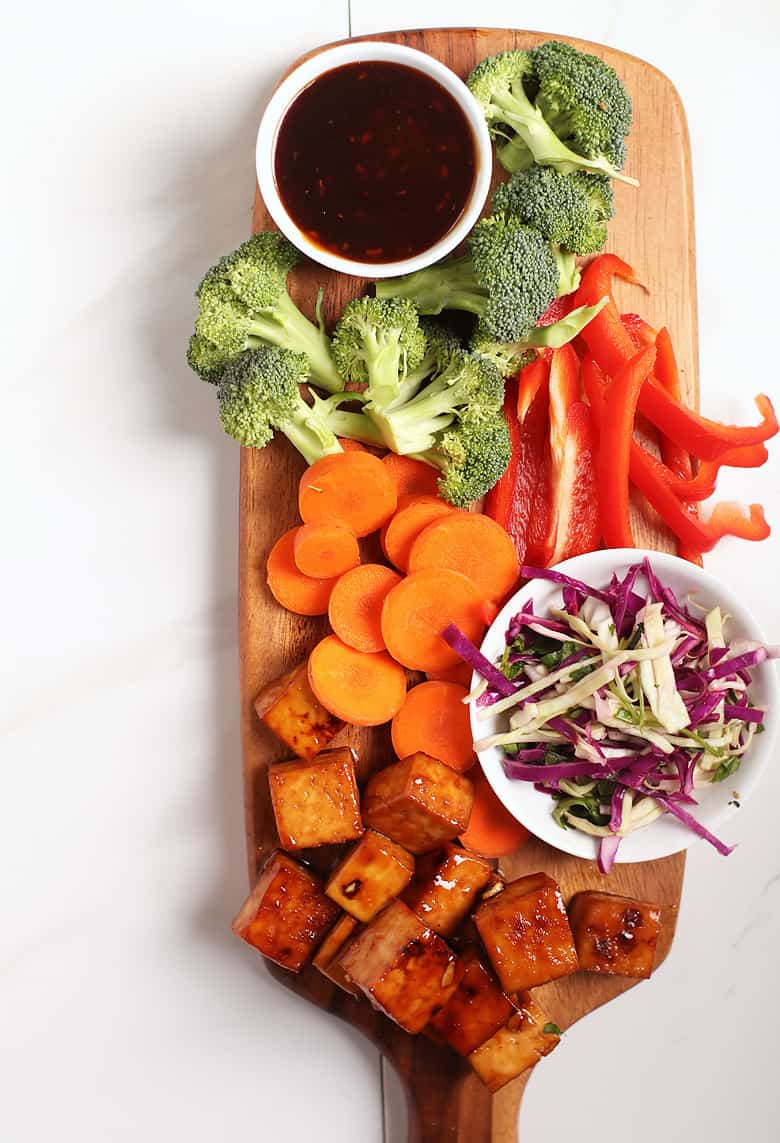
(284, 325)
(311, 438)
(448, 285)
(385, 365)
(343, 423)
(514, 156)
(517, 111)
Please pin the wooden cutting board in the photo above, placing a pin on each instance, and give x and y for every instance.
(653, 230)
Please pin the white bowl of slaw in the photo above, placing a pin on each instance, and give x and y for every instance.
(718, 803)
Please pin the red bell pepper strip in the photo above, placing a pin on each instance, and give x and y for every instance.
(700, 436)
(557, 309)
(640, 331)
(702, 486)
(727, 519)
(573, 523)
(516, 500)
(578, 527)
(616, 436)
(676, 458)
(605, 336)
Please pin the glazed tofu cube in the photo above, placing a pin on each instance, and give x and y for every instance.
(326, 959)
(526, 933)
(374, 871)
(445, 886)
(476, 1010)
(289, 708)
(287, 914)
(521, 1043)
(418, 802)
(316, 802)
(404, 968)
(615, 935)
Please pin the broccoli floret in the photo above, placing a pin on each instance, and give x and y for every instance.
(244, 303)
(205, 359)
(570, 210)
(469, 383)
(471, 455)
(259, 391)
(376, 342)
(510, 357)
(508, 278)
(555, 106)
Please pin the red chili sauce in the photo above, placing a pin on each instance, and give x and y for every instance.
(374, 161)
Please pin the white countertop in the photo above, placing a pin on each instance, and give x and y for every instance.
(128, 1011)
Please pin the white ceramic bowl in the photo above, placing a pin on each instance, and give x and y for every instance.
(665, 835)
(335, 57)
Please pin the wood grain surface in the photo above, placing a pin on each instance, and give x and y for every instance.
(653, 230)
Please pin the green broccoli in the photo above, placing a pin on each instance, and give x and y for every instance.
(259, 391)
(508, 278)
(376, 342)
(510, 357)
(471, 456)
(244, 303)
(468, 383)
(556, 106)
(570, 210)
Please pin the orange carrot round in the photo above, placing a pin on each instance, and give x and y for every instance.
(414, 514)
(349, 445)
(297, 592)
(473, 545)
(460, 673)
(355, 607)
(416, 612)
(325, 549)
(365, 690)
(492, 831)
(435, 719)
(353, 487)
(412, 477)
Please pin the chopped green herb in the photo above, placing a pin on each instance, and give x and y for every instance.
(551, 1029)
(727, 768)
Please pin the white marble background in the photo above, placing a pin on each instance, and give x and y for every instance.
(128, 1012)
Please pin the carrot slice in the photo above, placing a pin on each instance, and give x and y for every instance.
(349, 445)
(294, 590)
(435, 719)
(492, 831)
(325, 549)
(460, 674)
(414, 514)
(365, 690)
(412, 477)
(472, 544)
(416, 612)
(353, 487)
(355, 607)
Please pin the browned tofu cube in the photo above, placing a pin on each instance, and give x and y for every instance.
(445, 886)
(526, 933)
(316, 802)
(289, 708)
(374, 871)
(286, 915)
(521, 1043)
(614, 935)
(477, 1008)
(418, 802)
(326, 958)
(404, 968)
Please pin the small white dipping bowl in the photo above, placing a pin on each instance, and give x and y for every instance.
(665, 835)
(356, 52)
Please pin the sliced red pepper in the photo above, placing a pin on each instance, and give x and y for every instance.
(558, 308)
(575, 493)
(676, 458)
(640, 331)
(727, 519)
(616, 432)
(605, 336)
(517, 498)
(702, 486)
(704, 438)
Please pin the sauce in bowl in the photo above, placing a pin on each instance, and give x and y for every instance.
(374, 161)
